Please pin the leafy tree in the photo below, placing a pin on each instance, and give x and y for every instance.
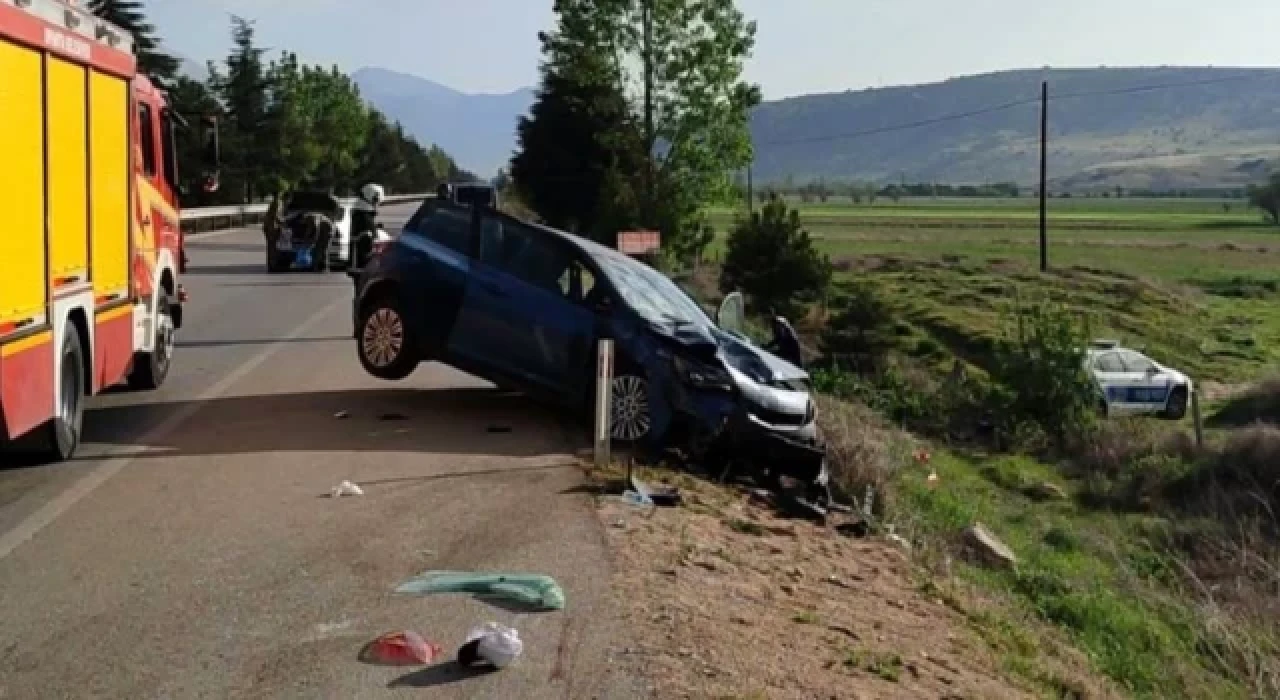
(579, 148)
(130, 16)
(771, 258)
(1267, 198)
(192, 100)
(247, 130)
(1040, 373)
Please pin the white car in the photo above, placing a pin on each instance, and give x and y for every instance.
(1131, 383)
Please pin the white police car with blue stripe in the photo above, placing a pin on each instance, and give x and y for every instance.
(1131, 383)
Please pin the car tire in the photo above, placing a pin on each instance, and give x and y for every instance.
(279, 262)
(1176, 408)
(58, 439)
(630, 414)
(150, 369)
(383, 339)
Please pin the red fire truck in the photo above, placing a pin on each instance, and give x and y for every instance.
(92, 244)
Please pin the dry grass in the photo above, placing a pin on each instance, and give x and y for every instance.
(862, 450)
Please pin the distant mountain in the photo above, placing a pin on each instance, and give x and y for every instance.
(1218, 131)
(479, 131)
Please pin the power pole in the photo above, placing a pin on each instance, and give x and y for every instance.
(1044, 176)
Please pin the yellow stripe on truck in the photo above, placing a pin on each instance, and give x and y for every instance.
(17, 346)
(109, 181)
(68, 168)
(22, 284)
(113, 314)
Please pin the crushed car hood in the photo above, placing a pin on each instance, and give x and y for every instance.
(758, 364)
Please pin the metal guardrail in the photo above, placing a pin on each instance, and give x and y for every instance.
(217, 218)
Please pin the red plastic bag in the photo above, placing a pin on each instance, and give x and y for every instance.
(400, 649)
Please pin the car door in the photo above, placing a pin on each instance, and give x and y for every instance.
(1110, 374)
(537, 281)
(1149, 387)
(437, 243)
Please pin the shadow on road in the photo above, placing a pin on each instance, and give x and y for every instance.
(257, 341)
(440, 674)
(198, 270)
(196, 245)
(455, 421)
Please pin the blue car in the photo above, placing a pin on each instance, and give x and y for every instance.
(523, 306)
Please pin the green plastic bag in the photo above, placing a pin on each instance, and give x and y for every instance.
(532, 590)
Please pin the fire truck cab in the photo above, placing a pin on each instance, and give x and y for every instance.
(91, 252)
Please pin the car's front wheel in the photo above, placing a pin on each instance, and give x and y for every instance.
(1176, 408)
(630, 414)
(383, 339)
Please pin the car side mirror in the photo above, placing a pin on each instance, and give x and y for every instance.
(1152, 371)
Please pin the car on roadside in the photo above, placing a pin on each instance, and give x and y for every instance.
(524, 306)
(1130, 383)
(297, 240)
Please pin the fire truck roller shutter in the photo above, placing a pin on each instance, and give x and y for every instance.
(22, 286)
(66, 115)
(109, 183)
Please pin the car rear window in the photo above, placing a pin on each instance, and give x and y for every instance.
(311, 201)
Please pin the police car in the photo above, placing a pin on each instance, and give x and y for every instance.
(1132, 383)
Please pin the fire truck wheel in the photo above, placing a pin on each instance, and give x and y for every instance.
(150, 369)
(61, 436)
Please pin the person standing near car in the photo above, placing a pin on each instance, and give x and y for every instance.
(786, 343)
(271, 222)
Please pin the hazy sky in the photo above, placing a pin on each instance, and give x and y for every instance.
(803, 46)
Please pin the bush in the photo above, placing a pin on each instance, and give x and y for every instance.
(861, 450)
(771, 258)
(861, 329)
(1040, 375)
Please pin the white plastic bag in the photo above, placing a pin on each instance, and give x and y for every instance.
(346, 488)
(499, 645)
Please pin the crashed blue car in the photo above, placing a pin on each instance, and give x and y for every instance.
(523, 306)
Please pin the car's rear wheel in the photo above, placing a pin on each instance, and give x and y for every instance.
(384, 341)
(1176, 408)
(59, 438)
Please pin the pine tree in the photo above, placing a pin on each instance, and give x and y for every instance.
(250, 144)
(130, 16)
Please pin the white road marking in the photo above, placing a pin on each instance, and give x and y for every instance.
(124, 455)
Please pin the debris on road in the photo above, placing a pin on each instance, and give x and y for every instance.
(494, 643)
(346, 488)
(407, 648)
(530, 590)
(342, 415)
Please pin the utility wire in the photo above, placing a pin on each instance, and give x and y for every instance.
(1010, 105)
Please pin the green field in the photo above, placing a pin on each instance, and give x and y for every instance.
(1193, 281)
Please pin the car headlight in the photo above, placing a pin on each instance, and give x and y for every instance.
(702, 376)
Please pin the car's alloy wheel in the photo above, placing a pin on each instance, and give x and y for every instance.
(383, 338)
(629, 409)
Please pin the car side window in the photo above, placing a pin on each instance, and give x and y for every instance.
(577, 283)
(449, 227)
(528, 255)
(1109, 362)
(1133, 362)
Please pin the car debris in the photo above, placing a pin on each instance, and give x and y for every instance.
(407, 648)
(346, 488)
(535, 591)
(496, 644)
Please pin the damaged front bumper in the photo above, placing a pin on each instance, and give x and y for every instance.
(731, 427)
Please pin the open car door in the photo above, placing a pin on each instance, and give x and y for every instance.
(732, 316)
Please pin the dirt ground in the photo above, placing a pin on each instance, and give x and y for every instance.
(726, 600)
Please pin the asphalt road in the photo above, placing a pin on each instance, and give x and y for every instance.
(191, 550)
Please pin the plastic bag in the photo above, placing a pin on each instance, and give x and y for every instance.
(498, 644)
(532, 590)
(406, 648)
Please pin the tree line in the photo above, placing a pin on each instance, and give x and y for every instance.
(282, 124)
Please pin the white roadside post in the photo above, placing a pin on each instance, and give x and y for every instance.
(604, 402)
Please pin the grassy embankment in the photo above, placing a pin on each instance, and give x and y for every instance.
(1137, 568)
